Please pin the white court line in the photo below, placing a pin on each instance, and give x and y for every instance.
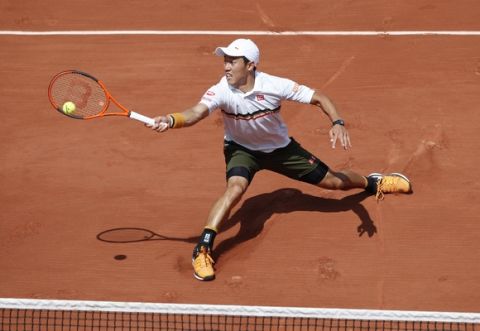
(239, 33)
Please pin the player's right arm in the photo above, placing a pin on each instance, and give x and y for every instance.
(186, 118)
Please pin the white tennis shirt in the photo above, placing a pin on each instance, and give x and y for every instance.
(253, 119)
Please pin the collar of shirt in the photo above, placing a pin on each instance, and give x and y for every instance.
(257, 87)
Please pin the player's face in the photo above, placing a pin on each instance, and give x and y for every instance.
(236, 70)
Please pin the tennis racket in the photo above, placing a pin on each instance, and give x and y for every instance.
(80, 95)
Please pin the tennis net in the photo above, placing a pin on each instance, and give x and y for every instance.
(53, 315)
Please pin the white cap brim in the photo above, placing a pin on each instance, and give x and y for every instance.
(222, 51)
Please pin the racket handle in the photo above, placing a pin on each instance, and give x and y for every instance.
(141, 118)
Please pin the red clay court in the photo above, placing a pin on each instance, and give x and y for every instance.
(410, 103)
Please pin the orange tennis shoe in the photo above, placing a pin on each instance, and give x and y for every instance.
(203, 265)
(391, 183)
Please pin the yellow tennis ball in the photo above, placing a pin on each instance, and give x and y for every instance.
(69, 107)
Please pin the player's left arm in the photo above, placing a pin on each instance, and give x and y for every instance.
(338, 131)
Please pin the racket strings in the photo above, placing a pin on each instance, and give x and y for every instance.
(87, 95)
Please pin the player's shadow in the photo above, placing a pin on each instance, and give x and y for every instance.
(255, 211)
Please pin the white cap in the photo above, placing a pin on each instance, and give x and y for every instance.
(241, 47)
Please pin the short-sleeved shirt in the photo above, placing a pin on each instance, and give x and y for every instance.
(253, 119)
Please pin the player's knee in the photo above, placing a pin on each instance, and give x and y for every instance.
(240, 172)
(236, 187)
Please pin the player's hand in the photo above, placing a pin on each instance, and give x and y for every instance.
(339, 132)
(161, 124)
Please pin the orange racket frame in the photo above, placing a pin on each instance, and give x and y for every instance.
(108, 98)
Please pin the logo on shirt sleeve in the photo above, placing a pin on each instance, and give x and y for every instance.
(208, 96)
(296, 87)
(260, 97)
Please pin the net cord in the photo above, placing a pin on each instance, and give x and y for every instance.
(234, 310)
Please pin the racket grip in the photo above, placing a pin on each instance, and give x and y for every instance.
(141, 118)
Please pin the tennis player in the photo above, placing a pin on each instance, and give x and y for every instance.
(257, 138)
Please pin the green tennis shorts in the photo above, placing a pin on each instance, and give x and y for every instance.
(292, 161)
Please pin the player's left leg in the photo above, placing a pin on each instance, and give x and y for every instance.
(343, 180)
(297, 163)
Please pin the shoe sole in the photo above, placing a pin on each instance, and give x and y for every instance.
(205, 279)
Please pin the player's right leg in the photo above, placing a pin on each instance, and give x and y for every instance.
(241, 166)
(201, 259)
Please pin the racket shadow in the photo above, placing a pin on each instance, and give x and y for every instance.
(256, 211)
(127, 235)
